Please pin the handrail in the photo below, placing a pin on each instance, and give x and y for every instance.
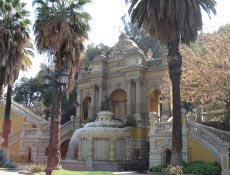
(26, 112)
(65, 128)
(206, 136)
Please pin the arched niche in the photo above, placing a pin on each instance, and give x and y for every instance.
(119, 103)
(64, 148)
(154, 101)
(85, 108)
(167, 155)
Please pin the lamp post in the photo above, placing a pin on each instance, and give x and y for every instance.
(58, 79)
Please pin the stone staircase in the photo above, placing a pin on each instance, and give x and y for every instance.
(215, 140)
(25, 113)
(43, 126)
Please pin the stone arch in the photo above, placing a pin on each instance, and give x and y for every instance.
(166, 152)
(118, 103)
(29, 154)
(86, 102)
(153, 103)
(64, 148)
(115, 87)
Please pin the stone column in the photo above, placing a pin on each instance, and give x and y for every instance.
(92, 108)
(138, 96)
(112, 149)
(129, 97)
(137, 114)
(100, 97)
(78, 120)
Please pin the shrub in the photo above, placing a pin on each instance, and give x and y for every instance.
(7, 165)
(198, 167)
(158, 168)
(130, 121)
(35, 168)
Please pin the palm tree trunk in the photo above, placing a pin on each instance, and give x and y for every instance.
(174, 63)
(56, 130)
(7, 120)
(54, 159)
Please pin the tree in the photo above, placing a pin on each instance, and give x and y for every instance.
(206, 75)
(143, 40)
(60, 30)
(172, 22)
(14, 39)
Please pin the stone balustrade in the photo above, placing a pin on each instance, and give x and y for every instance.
(157, 62)
(29, 115)
(30, 132)
(67, 127)
(211, 139)
(163, 127)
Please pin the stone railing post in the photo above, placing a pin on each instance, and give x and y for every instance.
(39, 128)
(24, 126)
(152, 118)
(225, 162)
(72, 122)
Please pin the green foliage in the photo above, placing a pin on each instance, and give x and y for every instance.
(29, 91)
(92, 51)
(7, 164)
(143, 40)
(158, 168)
(198, 167)
(130, 121)
(35, 168)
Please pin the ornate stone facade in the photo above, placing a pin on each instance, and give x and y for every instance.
(129, 78)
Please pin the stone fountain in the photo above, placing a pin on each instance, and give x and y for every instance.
(100, 145)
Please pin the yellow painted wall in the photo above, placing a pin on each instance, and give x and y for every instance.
(15, 128)
(15, 119)
(139, 133)
(199, 152)
(14, 149)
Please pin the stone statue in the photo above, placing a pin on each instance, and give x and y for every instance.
(106, 105)
(149, 55)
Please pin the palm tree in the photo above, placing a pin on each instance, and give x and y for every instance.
(60, 30)
(172, 22)
(14, 38)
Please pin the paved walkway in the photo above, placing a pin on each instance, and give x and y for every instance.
(17, 172)
(9, 172)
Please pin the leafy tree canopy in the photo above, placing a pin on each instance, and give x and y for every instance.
(206, 75)
(143, 39)
(30, 91)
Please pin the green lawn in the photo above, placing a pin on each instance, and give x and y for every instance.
(67, 172)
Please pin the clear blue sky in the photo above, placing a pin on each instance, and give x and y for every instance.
(106, 23)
